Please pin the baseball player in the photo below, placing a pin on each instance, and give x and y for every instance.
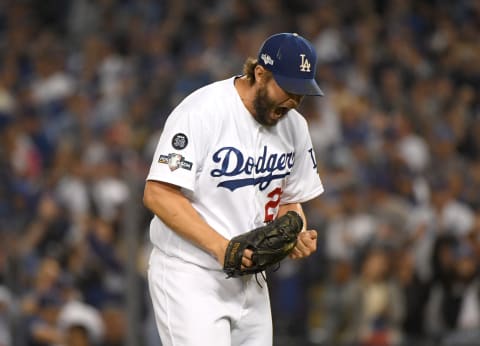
(233, 156)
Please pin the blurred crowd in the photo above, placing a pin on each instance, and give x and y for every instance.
(86, 85)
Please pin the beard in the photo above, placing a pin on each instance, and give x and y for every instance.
(264, 107)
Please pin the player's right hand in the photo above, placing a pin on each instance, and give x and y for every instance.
(306, 244)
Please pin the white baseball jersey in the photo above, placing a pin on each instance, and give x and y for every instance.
(235, 171)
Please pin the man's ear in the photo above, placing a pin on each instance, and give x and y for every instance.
(260, 73)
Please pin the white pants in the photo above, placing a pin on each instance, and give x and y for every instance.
(195, 306)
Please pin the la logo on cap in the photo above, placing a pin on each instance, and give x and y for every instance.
(305, 65)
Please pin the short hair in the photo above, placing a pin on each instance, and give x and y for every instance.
(249, 70)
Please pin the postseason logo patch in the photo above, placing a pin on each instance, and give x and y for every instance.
(175, 161)
(179, 141)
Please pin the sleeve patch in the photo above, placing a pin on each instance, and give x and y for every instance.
(179, 141)
(175, 161)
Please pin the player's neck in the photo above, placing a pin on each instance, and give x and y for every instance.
(246, 93)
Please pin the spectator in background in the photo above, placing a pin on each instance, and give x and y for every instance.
(351, 228)
(455, 307)
(47, 234)
(443, 215)
(389, 210)
(374, 303)
(42, 329)
(416, 293)
(331, 310)
(81, 324)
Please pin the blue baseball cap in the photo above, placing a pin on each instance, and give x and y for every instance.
(292, 61)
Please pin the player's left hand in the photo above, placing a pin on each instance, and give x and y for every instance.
(306, 244)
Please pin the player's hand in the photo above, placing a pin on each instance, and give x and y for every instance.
(306, 244)
(247, 258)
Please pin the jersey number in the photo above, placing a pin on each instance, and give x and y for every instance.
(271, 205)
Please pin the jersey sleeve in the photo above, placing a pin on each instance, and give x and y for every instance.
(178, 155)
(303, 183)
